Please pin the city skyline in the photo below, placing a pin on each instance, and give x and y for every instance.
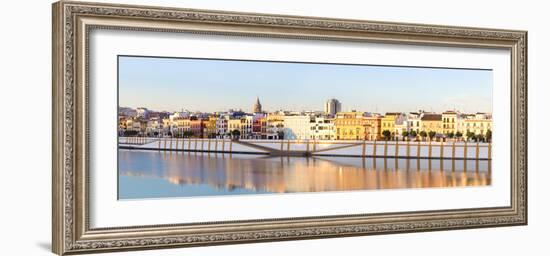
(163, 84)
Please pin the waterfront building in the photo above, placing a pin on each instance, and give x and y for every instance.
(181, 127)
(478, 124)
(259, 124)
(350, 126)
(332, 106)
(373, 126)
(197, 127)
(390, 120)
(242, 124)
(431, 122)
(274, 125)
(233, 125)
(401, 125)
(136, 126)
(449, 122)
(122, 123)
(154, 126)
(297, 127)
(322, 129)
(210, 127)
(222, 129)
(414, 120)
(246, 126)
(257, 108)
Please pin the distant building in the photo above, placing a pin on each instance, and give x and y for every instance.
(142, 112)
(257, 106)
(127, 112)
(332, 106)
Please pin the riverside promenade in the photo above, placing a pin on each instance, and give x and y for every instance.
(305, 148)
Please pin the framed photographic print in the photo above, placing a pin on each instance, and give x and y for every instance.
(179, 127)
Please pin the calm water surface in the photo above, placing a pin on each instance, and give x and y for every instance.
(152, 174)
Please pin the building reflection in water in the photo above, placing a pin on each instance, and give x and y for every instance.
(223, 173)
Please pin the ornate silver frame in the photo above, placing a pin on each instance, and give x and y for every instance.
(72, 21)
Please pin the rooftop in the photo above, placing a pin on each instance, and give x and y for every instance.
(431, 117)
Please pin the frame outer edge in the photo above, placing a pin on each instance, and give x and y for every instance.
(57, 130)
(65, 239)
(525, 108)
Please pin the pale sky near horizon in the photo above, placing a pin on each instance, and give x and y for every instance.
(171, 84)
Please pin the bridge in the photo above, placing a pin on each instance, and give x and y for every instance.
(305, 148)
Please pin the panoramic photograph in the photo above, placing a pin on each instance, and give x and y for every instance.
(214, 127)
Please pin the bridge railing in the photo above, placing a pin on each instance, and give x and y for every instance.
(398, 149)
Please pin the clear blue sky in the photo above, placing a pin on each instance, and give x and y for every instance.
(216, 85)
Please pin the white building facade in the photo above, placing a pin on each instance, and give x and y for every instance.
(297, 127)
(322, 129)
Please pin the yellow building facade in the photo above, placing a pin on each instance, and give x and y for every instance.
(388, 122)
(210, 127)
(431, 123)
(355, 126)
(449, 121)
(234, 124)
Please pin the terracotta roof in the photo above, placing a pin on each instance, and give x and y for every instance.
(449, 112)
(431, 117)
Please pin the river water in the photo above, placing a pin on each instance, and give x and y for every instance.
(154, 174)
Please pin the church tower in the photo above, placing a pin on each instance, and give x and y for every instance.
(257, 106)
